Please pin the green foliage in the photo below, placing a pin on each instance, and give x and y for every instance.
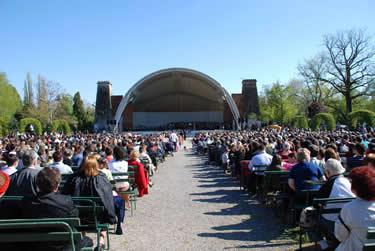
(79, 110)
(60, 125)
(27, 121)
(327, 118)
(301, 122)
(278, 104)
(362, 116)
(3, 128)
(10, 101)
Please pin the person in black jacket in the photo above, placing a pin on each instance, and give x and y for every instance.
(89, 181)
(49, 204)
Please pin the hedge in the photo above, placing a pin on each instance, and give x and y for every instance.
(301, 122)
(60, 125)
(36, 123)
(327, 118)
(362, 116)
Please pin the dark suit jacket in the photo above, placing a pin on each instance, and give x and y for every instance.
(50, 205)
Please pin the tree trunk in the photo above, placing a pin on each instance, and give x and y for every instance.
(348, 101)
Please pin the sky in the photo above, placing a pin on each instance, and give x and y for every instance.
(79, 42)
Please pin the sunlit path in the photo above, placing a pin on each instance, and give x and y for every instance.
(196, 207)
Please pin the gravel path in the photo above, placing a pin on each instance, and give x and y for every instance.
(196, 207)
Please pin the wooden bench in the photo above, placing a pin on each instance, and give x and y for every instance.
(58, 230)
(370, 243)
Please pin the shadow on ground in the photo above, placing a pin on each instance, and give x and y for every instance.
(260, 227)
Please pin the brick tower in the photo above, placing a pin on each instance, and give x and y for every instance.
(103, 108)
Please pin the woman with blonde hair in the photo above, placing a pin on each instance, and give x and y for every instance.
(141, 179)
(89, 181)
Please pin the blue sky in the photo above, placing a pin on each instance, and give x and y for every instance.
(78, 42)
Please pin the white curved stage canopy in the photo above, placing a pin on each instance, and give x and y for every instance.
(176, 95)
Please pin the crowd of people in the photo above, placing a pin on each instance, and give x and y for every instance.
(33, 166)
(338, 164)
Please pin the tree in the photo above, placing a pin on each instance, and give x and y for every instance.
(278, 104)
(64, 108)
(315, 91)
(79, 110)
(36, 124)
(350, 67)
(10, 101)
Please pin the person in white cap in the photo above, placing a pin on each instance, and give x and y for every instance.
(337, 186)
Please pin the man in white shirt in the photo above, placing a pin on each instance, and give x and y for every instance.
(174, 138)
(258, 162)
(59, 165)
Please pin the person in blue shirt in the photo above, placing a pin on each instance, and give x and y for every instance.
(304, 171)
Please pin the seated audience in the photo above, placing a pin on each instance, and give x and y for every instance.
(140, 175)
(50, 204)
(304, 171)
(59, 165)
(276, 163)
(337, 186)
(11, 164)
(89, 181)
(357, 216)
(23, 182)
(358, 158)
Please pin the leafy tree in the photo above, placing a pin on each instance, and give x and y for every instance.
(278, 104)
(10, 101)
(79, 110)
(350, 66)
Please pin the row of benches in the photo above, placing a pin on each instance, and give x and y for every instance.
(64, 230)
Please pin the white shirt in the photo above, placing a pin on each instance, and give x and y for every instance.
(64, 169)
(262, 158)
(9, 170)
(119, 167)
(225, 158)
(341, 189)
(358, 215)
(174, 137)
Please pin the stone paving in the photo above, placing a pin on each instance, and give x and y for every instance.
(194, 206)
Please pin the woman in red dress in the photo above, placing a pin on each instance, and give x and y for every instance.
(141, 179)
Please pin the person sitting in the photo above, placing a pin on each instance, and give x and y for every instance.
(357, 216)
(292, 160)
(50, 204)
(140, 175)
(23, 182)
(276, 163)
(11, 164)
(358, 158)
(58, 163)
(314, 153)
(89, 181)
(285, 151)
(304, 171)
(337, 186)
(67, 160)
(260, 160)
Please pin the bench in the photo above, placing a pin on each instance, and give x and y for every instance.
(320, 204)
(59, 230)
(131, 192)
(275, 185)
(370, 243)
(89, 209)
